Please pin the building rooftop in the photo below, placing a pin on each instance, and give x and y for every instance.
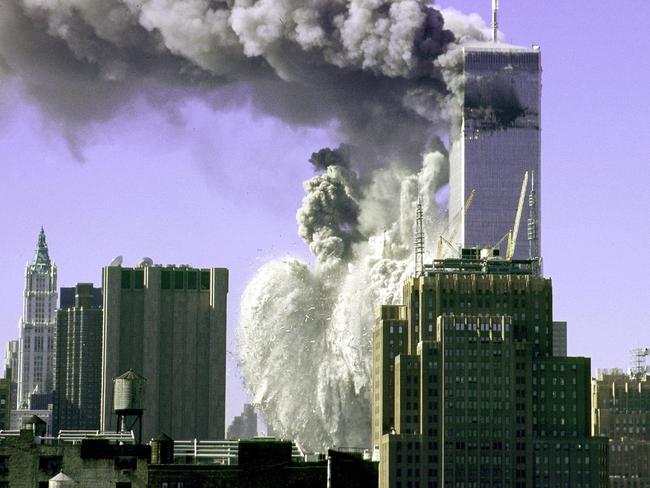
(76, 436)
(499, 47)
(482, 261)
(223, 451)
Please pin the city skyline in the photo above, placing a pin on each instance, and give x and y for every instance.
(593, 215)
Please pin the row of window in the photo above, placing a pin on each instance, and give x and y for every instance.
(169, 279)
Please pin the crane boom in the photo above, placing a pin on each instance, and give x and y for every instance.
(456, 223)
(512, 242)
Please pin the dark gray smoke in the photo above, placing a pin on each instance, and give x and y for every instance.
(326, 157)
(363, 66)
(329, 217)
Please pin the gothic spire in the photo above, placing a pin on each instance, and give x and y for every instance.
(41, 256)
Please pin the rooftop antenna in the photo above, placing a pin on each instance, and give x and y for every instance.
(533, 252)
(419, 239)
(495, 23)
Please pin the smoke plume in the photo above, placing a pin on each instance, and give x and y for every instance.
(385, 74)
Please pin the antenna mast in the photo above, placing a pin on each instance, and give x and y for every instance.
(419, 240)
(495, 23)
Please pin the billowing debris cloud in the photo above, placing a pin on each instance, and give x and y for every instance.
(363, 66)
(305, 337)
(383, 74)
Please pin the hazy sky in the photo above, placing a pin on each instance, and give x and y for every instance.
(206, 188)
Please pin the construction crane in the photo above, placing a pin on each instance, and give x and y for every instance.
(638, 362)
(512, 240)
(456, 222)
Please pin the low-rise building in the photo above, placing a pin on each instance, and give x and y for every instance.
(28, 461)
(255, 463)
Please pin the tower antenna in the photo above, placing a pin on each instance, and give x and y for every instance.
(419, 239)
(495, 23)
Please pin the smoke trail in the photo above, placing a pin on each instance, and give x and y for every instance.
(384, 73)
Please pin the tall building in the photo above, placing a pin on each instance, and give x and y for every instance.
(244, 426)
(169, 325)
(559, 339)
(78, 372)
(37, 325)
(5, 403)
(466, 390)
(11, 368)
(497, 140)
(622, 413)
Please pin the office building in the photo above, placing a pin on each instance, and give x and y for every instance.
(5, 403)
(68, 296)
(622, 413)
(37, 326)
(559, 339)
(466, 390)
(497, 140)
(11, 368)
(244, 426)
(78, 371)
(169, 325)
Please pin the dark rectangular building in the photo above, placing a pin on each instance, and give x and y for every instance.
(78, 360)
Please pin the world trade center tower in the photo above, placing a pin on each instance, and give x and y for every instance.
(496, 142)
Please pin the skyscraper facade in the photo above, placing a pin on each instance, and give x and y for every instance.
(37, 325)
(466, 390)
(11, 368)
(622, 413)
(497, 140)
(169, 325)
(78, 371)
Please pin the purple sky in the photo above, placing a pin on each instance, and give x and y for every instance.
(221, 189)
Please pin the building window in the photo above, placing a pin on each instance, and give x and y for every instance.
(192, 280)
(205, 280)
(50, 464)
(123, 484)
(139, 279)
(178, 280)
(165, 280)
(126, 279)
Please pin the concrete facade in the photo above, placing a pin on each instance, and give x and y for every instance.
(37, 326)
(169, 325)
(78, 371)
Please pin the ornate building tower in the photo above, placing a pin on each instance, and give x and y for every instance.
(38, 325)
